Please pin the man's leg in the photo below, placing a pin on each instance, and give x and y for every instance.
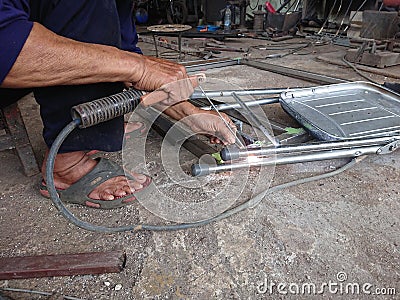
(9, 96)
(93, 22)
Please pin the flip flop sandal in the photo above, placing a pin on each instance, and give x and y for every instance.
(136, 133)
(103, 171)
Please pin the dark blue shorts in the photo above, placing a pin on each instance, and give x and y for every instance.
(106, 22)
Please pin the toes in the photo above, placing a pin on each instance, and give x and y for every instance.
(119, 193)
(128, 189)
(105, 194)
(139, 177)
(117, 188)
(135, 185)
(124, 190)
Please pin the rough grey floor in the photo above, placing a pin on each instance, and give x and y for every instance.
(343, 231)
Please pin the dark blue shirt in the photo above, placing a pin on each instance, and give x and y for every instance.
(14, 30)
(17, 17)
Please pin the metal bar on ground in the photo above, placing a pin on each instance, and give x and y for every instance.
(300, 74)
(61, 265)
(198, 66)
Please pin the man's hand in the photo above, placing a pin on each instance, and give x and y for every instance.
(203, 122)
(210, 123)
(171, 93)
(167, 81)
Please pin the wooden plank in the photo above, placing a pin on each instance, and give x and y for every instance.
(16, 128)
(61, 265)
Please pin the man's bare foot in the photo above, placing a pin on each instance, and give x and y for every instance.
(70, 167)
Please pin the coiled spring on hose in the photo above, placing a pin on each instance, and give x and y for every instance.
(107, 108)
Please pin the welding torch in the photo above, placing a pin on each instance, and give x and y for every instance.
(85, 115)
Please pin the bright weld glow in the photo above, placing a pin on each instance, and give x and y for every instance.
(253, 159)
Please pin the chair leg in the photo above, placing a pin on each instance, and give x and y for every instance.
(16, 128)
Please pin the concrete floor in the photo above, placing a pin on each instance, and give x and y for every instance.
(335, 234)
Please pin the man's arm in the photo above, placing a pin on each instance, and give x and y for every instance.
(48, 59)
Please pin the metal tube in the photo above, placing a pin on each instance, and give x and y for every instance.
(227, 106)
(255, 119)
(251, 92)
(296, 73)
(203, 169)
(237, 140)
(230, 153)
(192, 67)
(196, 67)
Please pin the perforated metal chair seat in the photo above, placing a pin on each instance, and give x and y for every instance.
(345, 111)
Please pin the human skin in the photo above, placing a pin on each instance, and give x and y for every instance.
(48, 59)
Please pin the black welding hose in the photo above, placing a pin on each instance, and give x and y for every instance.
(136, 227)
(103, 109)
(86, 115)
(53, 192)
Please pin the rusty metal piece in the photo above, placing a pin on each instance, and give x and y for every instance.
(61, 265)
(393, 3)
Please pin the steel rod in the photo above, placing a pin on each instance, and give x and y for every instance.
(196, 67)
(255, 119)
(304, 75)
(227, 106)
(61, 265)
(237, 140)
(203, 169)
(230, 153)
(251, 92)
(192, 67)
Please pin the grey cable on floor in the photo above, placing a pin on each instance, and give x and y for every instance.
(251, 203)
(358, 71)
(136, 227)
